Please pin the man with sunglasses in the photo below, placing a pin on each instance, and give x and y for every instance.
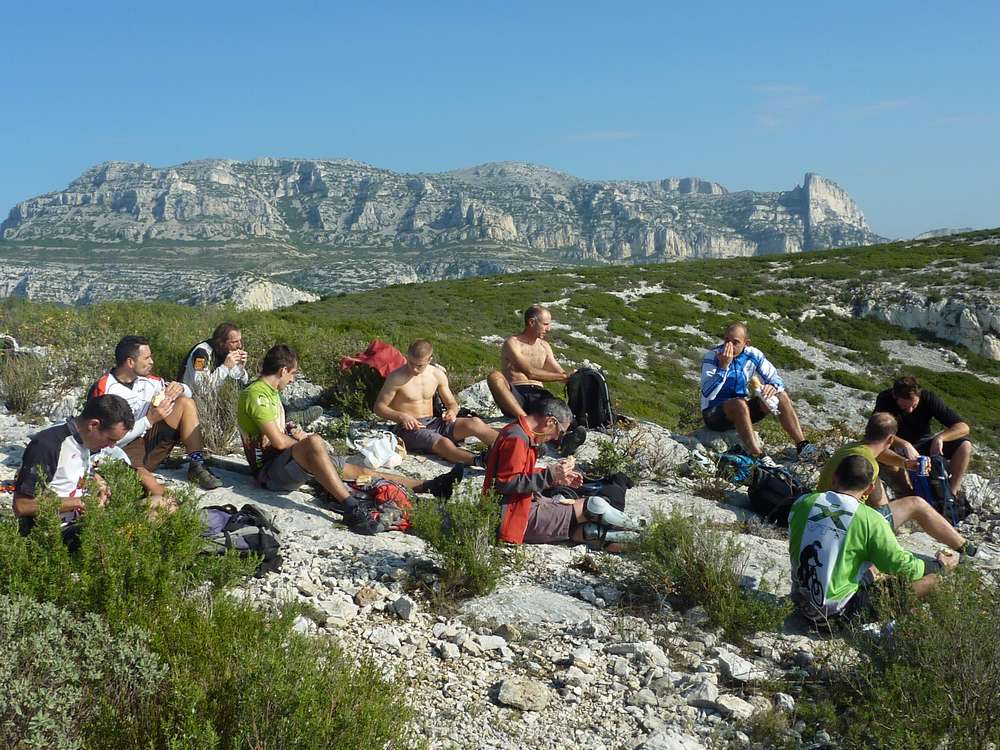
(527, 515)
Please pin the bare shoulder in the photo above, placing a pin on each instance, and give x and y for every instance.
(439, 375)
(396, 377)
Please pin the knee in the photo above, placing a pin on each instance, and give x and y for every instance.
(496, 380)
(735, 406)
(964, 450)
(313, 443)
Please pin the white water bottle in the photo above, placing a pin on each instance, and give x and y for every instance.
(756, 386)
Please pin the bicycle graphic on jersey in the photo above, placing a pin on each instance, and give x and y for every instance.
(808, 577)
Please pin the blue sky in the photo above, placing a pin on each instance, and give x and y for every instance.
(897, 102)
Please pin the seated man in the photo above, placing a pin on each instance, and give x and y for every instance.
(164, 412)
(283, 458)
(914, 408)
(528, 516)
(727, 401)
(407, 398)
(60, 458)
(212, 362)
(834, 539)
(874, 448)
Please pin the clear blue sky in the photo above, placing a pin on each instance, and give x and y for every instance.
(897, 102)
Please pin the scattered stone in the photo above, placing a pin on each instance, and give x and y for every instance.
(524, 693)
(366, 596)
(734, 707)
(582, 657)
(491, 642)
(448, 651)
(702, 692)
(385, 638)
(735, 667)
(784, 702)
(405, 608)
(644, 697)
(307, 588)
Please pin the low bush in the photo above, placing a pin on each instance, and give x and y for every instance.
(931, 682)
(684, 559)
(22, 377)
(853, 380)
(616, 456)
(62, 674)
(217, 412)
(463, 536)
(236, 677)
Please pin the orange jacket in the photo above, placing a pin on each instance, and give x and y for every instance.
(511, 471)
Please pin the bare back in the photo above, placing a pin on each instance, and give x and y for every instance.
(535, 355)
(412, 394)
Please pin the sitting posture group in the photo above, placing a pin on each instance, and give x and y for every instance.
(836, 533)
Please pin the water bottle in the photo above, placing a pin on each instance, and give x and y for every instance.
(772, 401)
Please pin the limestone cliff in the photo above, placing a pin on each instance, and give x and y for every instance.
(347, 204)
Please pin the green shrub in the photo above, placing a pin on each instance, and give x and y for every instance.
(932, 683)
(463, 536)
(236, 677)
(684, 559)
(21, 379)
(614, 456)
(852, 380)
(217, 414)
(62, 674)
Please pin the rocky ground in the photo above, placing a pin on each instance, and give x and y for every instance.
(550, 659)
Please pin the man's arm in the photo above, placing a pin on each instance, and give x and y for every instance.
(884, 551)
(385, 397)
(524, 367)
(277, 436)
(713, 375)
(25, 505)
(768, 372)
(444, 391)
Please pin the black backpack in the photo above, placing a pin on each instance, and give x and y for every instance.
(772, 492)
(612, 488)
(249, 531)
(589, 399)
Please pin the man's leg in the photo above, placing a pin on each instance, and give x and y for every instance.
(504, 396)
(439, 484)
(447, 450)
(149, 483)
(932, 522)
(311, 455)
(789, 419)
(738, 412)
(184, 419)
(958, 464)
(474, 427)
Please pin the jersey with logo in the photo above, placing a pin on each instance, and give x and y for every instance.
(56, 457)
(833, 540)
(139, 395)
(719, 384)
(201, 369)
(260, 404)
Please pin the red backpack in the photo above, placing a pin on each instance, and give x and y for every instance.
(385, 506)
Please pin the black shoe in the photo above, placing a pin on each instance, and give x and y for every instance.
(480, 460)
(443, 485)
(572, 440)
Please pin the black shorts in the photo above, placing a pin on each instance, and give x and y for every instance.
(529, 395)
(716, 419)
(947, 449)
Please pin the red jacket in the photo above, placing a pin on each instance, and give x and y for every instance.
(511, 471)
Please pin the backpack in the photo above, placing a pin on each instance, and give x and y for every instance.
(385, 506)
(772, 492)
(611, 488)
(589, 399)
(735, 465)
(936, 489)
(249, 531)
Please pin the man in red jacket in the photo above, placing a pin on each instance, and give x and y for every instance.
(530, 517)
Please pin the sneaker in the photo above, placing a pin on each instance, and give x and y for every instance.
(765, 460)
(572, 440)
(305, 417)
(443, 485)
(198, 474)
(808, 452)
(480, 460)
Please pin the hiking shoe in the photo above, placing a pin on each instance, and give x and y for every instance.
(480, 459)
(808, 452)
(198, 474)
(572, 440)
(443, 485)
(305, 417)
(765, 460)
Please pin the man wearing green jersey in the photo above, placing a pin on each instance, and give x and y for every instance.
(283, 457)
(835, 540)
(875, 449)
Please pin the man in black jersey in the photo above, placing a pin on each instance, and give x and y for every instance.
(914, 409)
(59, 458)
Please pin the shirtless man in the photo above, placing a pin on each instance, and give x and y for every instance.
(526, 362)
(407, 398)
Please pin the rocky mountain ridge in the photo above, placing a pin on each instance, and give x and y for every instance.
(347, 204)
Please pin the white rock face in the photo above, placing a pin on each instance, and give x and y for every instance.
(972, 320)
(349, 204)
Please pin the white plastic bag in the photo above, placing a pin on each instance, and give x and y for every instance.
(380, 451)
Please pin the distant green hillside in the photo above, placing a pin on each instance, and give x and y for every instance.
(647, 326)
